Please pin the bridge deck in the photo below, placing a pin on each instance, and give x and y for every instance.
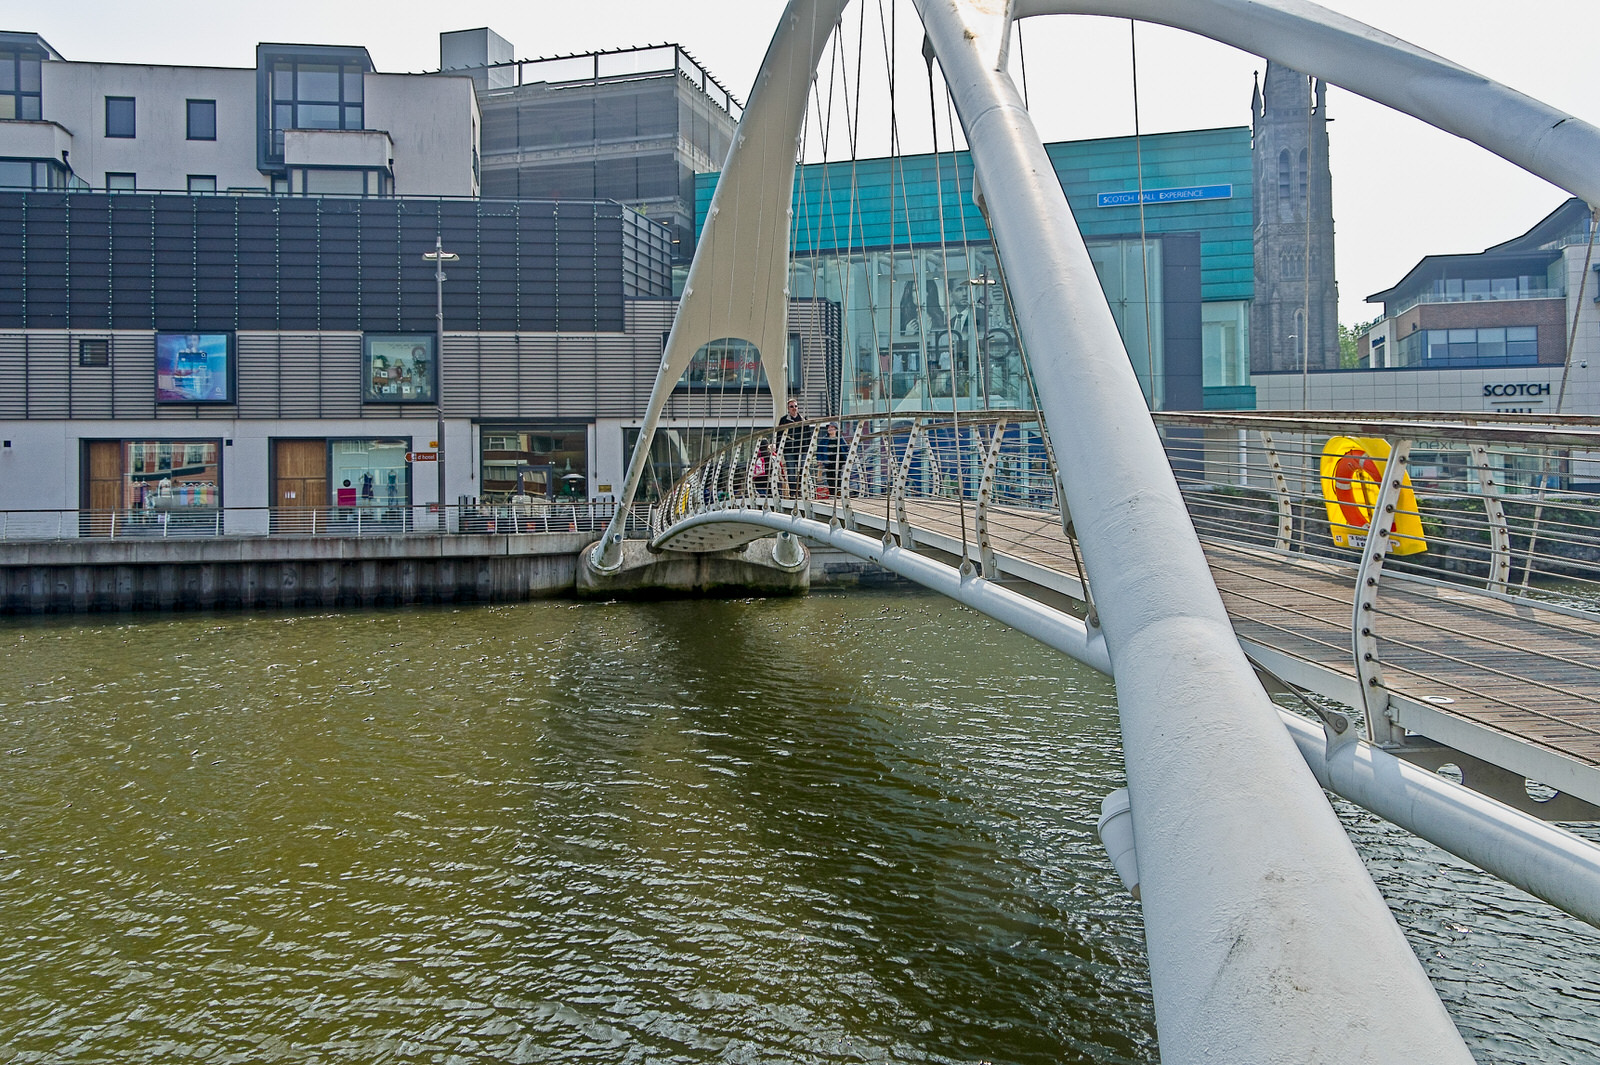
(1465, 667)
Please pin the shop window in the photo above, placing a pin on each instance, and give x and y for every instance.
(726, 365)
(153, 487)
(120, 116)
(673, 452)
(398, 368)
(545, 462)
(374, 475)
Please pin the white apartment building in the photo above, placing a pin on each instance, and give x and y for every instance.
(308, 119)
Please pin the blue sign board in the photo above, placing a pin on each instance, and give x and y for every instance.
(1196, 192)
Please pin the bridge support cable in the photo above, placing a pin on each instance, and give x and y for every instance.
(1249, 884)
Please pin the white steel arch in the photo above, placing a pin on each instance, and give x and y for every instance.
(1541, 139)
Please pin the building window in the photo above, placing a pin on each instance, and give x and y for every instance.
(1303, 193)
(1283, 174)
(122, 183)
(31, 174)
(95, 352)
(19, 85)
(1516, 345)
(1225, 344)
(202, 120)
(202, 183)
(316, 181)
(314, 95)
(119, 116)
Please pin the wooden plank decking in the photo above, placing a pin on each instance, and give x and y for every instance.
(1524, 671)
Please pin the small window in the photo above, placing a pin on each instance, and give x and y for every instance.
(202, 120)
(202, 183)
(94, 352)
(121, 183)
(119, 116)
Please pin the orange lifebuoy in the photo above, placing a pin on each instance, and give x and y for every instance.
(1357, 514)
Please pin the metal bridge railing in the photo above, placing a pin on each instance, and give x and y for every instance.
(1511, 508)
(977, 463)
(352, 522)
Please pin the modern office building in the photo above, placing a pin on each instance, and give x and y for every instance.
(632, 125)
(926, 319)
(1481, 332)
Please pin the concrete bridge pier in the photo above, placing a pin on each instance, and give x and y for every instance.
(768, 566)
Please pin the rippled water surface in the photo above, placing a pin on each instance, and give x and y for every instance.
(827, 829)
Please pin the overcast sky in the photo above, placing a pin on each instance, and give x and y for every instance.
(1401, 189)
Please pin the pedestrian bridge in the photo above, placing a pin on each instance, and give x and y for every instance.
(1416, 592)
(1476, 653)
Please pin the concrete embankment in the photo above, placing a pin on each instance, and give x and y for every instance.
(234, 573)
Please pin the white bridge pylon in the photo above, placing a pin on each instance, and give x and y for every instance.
(1267, 940)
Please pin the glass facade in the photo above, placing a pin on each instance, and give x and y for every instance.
(933, 327)
(673, 451)
(1130, 275)
(900, 246)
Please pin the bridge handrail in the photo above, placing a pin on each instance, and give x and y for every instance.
(145, 524)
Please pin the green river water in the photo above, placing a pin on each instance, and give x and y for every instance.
(840, 828)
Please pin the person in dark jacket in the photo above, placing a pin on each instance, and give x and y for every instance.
(796, 441)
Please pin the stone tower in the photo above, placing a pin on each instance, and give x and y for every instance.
(1293, 212)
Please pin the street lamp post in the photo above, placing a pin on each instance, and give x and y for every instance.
(438, 257)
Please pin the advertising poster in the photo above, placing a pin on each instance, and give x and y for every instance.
(398, 369)
(194, 368)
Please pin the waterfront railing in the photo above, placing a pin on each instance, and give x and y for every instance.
(356, 522)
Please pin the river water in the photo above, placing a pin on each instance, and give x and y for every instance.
(840, 828)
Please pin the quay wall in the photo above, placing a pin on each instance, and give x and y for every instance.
(308, 572)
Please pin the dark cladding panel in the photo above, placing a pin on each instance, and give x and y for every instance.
(139, 261)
